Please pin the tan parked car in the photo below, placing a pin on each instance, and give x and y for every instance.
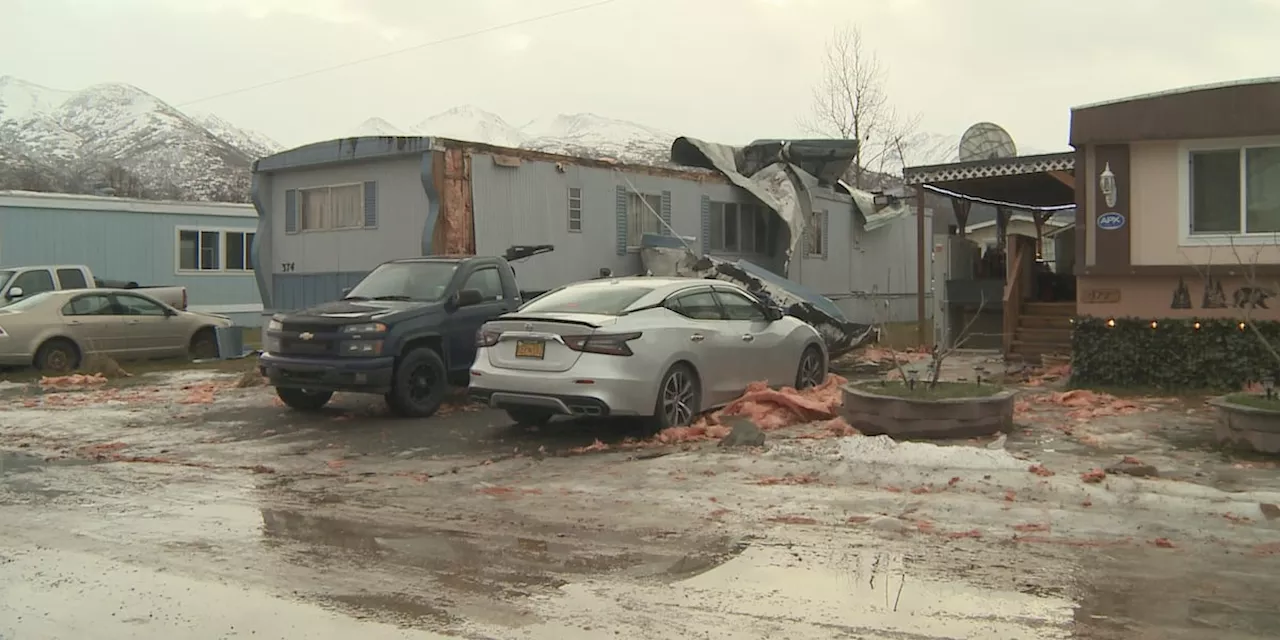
(54, 330)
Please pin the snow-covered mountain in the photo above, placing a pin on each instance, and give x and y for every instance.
(119, 138)
(581, 134)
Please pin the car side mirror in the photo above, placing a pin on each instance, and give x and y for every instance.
(772, 313)
(346, 291)
(169, 313)
(467, 298)
(14, 293)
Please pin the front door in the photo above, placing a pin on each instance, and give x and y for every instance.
(715, 341)
(759, 356)
(89, 319)
(464, 322)
(149, 331)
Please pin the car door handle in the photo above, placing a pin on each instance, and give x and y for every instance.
(73, 322)
(132, 321)
(697, 337)
(746, 337)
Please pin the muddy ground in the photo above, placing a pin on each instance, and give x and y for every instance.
(176, 505)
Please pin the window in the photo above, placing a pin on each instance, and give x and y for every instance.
(238, 245)
(700, 305)
(741, 228)
(72, 279)
(642, 217)
(91, 305)
(1234, 190)
(588, 297)
(575, 210)
(34, 281)
(216, 250)
(336, 207)
(411, 280)
(131, 305)
(487, 282)
(813, 233)
(738, 307)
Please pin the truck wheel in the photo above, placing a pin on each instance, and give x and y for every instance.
(57, 356)
(303, 400)
(530, 417)
(419, 385)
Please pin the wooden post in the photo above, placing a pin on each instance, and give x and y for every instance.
(922, 325)
(961, 209)
(1039, 217)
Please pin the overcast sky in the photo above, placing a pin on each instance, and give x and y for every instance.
(725, 70)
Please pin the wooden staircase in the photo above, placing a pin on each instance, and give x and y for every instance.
(1043, 328)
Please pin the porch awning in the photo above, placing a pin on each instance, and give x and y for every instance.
(1039, 183)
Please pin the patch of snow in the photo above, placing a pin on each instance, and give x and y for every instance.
(378, 127)
(20, 100)
(472, 124)
(883, 450)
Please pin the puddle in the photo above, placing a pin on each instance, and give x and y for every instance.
(13, 463)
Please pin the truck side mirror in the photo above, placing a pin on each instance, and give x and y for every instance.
(14, 293)
(467, 298)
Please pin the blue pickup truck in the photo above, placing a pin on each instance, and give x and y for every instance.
(406, 331)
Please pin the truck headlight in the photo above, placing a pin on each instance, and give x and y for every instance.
(271, 345)
(368, 327)
(275, 325)
(361, 348)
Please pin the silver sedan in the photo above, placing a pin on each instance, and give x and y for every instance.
(662, 348)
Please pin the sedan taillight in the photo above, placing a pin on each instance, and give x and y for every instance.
(611, 344)
(486, 338)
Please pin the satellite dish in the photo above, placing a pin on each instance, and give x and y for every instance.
(986, 141)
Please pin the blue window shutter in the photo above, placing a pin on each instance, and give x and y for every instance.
(706, 225)
(622, 220)
(805, 236)
(825, 236)
(666, 214)
(291, 211)
(370, 205)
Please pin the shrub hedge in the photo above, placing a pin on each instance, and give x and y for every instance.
(1171, 353)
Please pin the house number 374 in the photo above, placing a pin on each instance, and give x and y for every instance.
(286, 267)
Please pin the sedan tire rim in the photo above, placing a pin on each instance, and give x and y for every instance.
(677, 399)
(58, 360)
(809, 370)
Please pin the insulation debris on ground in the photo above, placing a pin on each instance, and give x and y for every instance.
(73, 381)
(770, 410)
(1085, 405)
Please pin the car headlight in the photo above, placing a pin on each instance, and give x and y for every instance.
(275, 325)
(368, 327)
(361, 348)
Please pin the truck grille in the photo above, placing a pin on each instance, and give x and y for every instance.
(306, 347)
(303, 327)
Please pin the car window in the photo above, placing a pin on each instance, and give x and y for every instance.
(94, 304)
(739, 307)
(699, 306)
(33, 282)
(72, 279)
(127, 305)
(605, 299)
(487, 282)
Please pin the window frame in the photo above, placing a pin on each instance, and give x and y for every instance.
(117, 296)
(753, 212)
(813, 234)
(62, 311)
(674, 299)
(573, 208)
(643, 214)
(1211, 239)
(330, 187)
(223, 233)
(49, 271)
(754, 303)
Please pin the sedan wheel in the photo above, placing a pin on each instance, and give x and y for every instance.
(679, 398)
(812, 371)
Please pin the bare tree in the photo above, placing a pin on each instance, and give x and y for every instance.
(851, 102)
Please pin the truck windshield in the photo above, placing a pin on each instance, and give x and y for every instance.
(4, 277)
(607, 300)
(425, 281)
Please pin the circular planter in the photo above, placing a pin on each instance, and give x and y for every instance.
(1248, 427)
(905, 418)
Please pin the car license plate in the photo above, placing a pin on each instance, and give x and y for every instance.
(531, 349)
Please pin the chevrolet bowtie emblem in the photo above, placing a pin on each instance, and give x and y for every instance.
(528, 326)
(306, 335)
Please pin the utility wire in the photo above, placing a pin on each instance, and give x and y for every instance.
(424, 45)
